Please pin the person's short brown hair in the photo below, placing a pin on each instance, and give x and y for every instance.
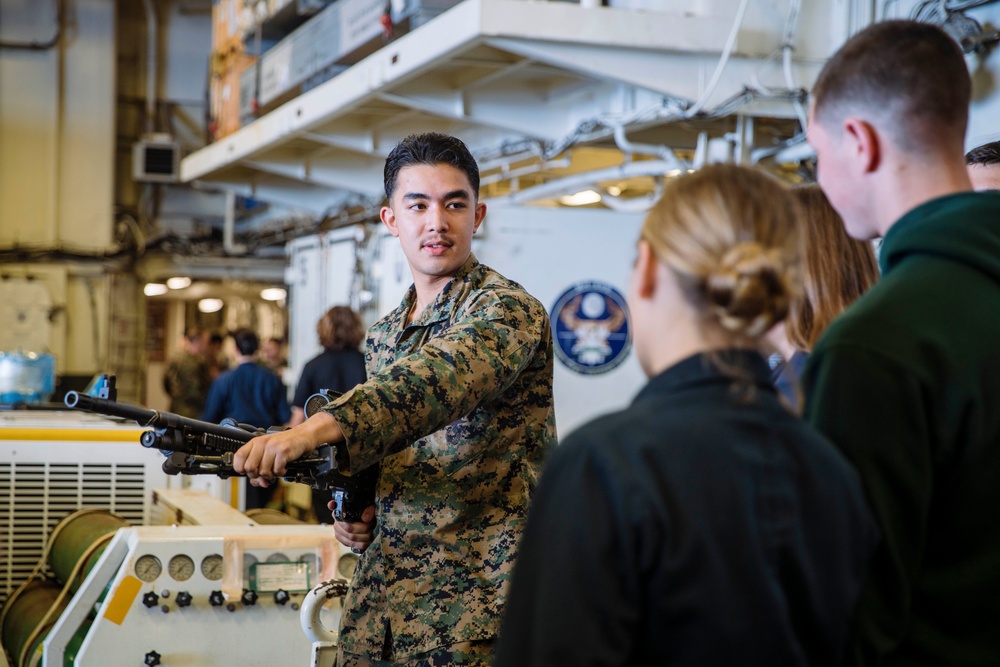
(340, 328)
(836, 269)
(911, 75)
(987, 154)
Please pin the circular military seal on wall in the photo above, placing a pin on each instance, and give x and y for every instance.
(590, 323)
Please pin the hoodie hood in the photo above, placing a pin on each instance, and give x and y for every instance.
(964, 227)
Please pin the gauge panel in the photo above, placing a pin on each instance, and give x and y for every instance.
(211, 567)
(181, 567)
(148, 568)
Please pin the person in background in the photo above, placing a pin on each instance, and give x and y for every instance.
(188, 377)
(250, 394)
(338, 368)
(217, 361)
(272, 355)
(907, 382)
(984, 166)
(457, 410)
(836, 270)
(705, 524)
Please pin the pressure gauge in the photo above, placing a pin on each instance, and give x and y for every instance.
(277, 557)
(346, 565)
(211, 567)
(313, 562)
(249, 560)
(148, 568)
(181, 567)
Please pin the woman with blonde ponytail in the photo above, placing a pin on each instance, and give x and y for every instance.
(704, 524)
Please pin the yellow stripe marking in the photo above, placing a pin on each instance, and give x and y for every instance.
(69, 434)
(116, 610)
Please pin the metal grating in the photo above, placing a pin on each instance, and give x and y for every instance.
(34, 497)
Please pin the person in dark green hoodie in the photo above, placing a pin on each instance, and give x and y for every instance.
(907, 381)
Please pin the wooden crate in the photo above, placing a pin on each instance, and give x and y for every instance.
(227, 69)
(226, 33)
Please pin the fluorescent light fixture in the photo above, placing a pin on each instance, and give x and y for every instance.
(580, 198)
(673, 173)
(154, 289)
(178, 282)
(614, 190)
(210, 305)
(273, 294)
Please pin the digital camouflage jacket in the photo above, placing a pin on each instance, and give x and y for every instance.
(458, 409)
(186, 381)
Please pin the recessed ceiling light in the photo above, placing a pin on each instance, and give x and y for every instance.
(273, 294)
(210, 305)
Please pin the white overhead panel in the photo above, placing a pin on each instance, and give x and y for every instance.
(512, 73)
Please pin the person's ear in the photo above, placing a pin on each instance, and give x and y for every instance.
(389, 220)
(645, 270)
(865, 142)
(480, 215)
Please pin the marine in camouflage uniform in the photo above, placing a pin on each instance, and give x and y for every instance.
(458, 410)
(475, 371)
(186, 381)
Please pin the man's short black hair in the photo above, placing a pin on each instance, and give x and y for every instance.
(431, 148)
(246, 341)
(984, 155)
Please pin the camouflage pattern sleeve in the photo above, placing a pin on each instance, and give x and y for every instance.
(475, 359)
(187, 380)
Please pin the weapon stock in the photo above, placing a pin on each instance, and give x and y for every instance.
(195, 447)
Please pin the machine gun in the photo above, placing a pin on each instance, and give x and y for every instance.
(194, 447)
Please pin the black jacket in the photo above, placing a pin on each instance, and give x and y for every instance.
(703, 525)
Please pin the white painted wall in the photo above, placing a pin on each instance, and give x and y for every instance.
(57, 138)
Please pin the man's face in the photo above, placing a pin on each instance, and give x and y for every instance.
(835, 174)
(985, 176)
(434, 214)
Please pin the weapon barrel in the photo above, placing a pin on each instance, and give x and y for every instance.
(155, 418)
(105, 407)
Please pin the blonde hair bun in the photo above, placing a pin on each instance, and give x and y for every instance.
(748, 289)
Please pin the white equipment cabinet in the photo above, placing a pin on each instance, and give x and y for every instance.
(200, 595)
(53, 463)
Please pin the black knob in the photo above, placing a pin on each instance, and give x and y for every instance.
(183, 599)
(249, 597)
(151, 599)
(231, 607)
(152, 658)
(281, 596)
(215, 599)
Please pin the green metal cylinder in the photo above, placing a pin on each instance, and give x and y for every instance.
(25, 611)
(74, 536)
(74, 644)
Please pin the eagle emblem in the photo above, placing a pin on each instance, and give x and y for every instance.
(591, 328)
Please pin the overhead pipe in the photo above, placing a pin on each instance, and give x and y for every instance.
(229, 227)
(575, 182)
(47, 44)
(151, 66)
(663, 152)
